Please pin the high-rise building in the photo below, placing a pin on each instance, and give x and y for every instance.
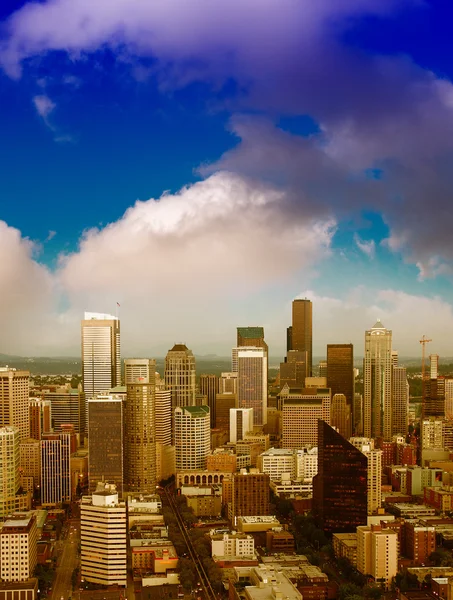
(163, 410)
(322, 368)
(340, 372)
(105, 441)
(9, 469)
(340, 415)
(252, 381)
(434, 391)
(377, 553)
(209, 387)
(30, 460)
(14, 392)
(251, 336)
(293, 370)
(374, 471)
(377, 383)
(340, 487)
(67, 406)
(101, 353)
(40, 417)
(55, 468)
(224, 403)
(18, 547)
(180, 375)
(228, 383)
(302, 330)
(140, 437)
(449, 398)
(241, 422)
(192, 437)
(249, 494)
(400, 401)
(301, 410)
(103, 538)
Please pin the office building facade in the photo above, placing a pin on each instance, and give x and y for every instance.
(340, 373)
(301, 334)
(180, 375)
(252, 381)
(192, 437)
(14, 400)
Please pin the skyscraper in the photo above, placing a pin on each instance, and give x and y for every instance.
(302, 330)
(140, 437)
(14, 407)
(400, 392)
(209, 387)
(252, 381)
(40, 417)
(301, 410)
(9, 469)
(340, 372)
(340, 487)
(249, 494)
(294, 370)
(192, 437)
(241, 422)
(101, 353)
(340, 415)
(251, 336)
(105, 441)
(180, 375)
(55, 468)
(377, 383)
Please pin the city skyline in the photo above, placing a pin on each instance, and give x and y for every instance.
(138, 153)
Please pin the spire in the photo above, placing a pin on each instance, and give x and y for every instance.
(378, 325)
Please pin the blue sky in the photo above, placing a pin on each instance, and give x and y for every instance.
(295, 149)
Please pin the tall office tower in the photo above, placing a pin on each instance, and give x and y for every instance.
(140, 439)
(40, 417)
(340, 415)
(30, 460)
(294, 370)
(400, 402)
(180, 375)
(14, 392)
(301, 411)
(433, 366)
(9, 469)
(302, 330)
(55, 469)
(209, 387)
(249, 494)
(374, 471)
(192, 437)
(377, 383)
(357, 414)
(224, 403)
(234, 360)
(322, 368)
(449, 398)
(340, 372)
(67, 406)
(241, 422)
(340, 487)
(434, 391)
(19, 548)
(105, 441)
(101, 353)
(377, 553)
(252, 382)
(163, 412)
(103, 538)
(228, 383)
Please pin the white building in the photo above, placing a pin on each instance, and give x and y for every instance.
(18, 547)
(374, 470)
(277, 462)
(252, 381)
(192, 437)
(377, 553)
(241, 422)
(14, 403)
(231, 545)
(307, 463)
(9, 469)
(101, 353)
(180, 376)
(103, 528)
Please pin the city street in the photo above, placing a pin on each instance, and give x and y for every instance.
(67, 561)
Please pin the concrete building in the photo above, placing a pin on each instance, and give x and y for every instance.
(103, 533)
(163, 412)
(249, 494)
(14, 402)
(101, 353)
(180, 375)
(230, 545)
(252, 382)
(374, 472)
(377, 383)
(18, 547)
(9, 469)
(277, 462)
(192, 437)
(140, 431)
(377, 553)
(270, 584)
(105, 441)
(241, 423)
(40, 412)
(301, 410)
(30, 460)
(67, 406)
(228, 383)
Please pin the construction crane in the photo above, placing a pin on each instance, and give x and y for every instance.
(423, 342)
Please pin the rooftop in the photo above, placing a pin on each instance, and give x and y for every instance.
(251, 332)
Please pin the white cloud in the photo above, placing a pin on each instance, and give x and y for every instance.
(44, 106)
(368, 247)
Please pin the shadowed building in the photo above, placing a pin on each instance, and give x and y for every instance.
(340, 487)
(301, 333)
(209, 387)
(340, 372)
(180, 375)
(340, 415)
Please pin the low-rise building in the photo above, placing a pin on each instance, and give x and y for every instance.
(257, 523)
(345, 546)
(377, 553)
(231, 545)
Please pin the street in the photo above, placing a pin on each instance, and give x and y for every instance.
(67, 560)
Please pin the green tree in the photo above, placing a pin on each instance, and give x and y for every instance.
(347, 590)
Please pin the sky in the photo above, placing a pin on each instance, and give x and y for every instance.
(204, 163)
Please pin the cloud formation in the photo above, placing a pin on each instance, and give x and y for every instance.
(44, 106)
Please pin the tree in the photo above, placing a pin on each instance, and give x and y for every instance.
(372, 591)
(347, 590)
(441, 558)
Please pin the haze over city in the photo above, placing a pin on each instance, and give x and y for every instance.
(203, 164)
